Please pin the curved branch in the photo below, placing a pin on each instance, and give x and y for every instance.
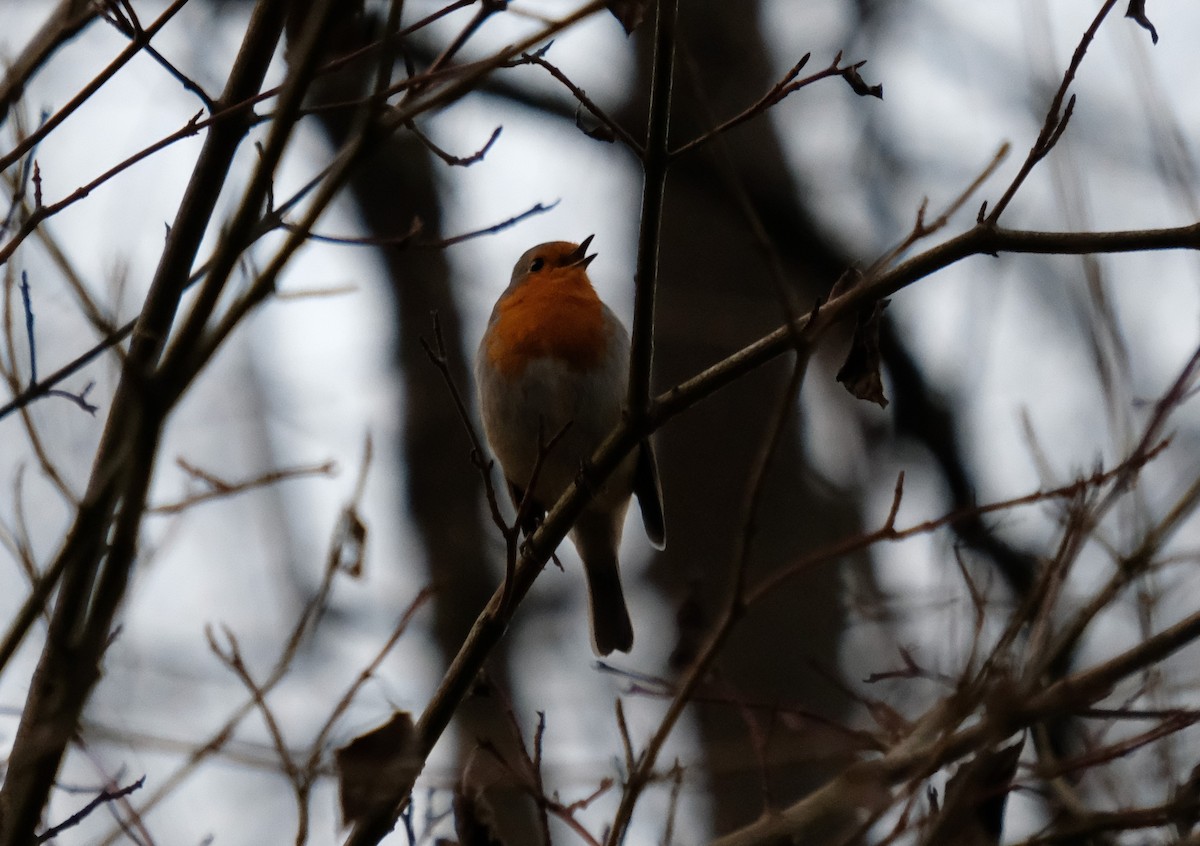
(982, 239)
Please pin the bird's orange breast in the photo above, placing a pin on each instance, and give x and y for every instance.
(558, 316)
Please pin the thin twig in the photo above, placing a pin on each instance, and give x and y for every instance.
(439, 358)
(124, 20)
(301, 630)
(647, 759)
(312, 765)
(28, 304)
(94, 85)
(981, 239)
(778, 92)
(104, 797)
(220, 489)
(232, 658)
(486, 9)
(864, 541)
(46, 386)
(1056, 118)
(67, 20)
(409, 239)
(607, 121)
(449, 158)
(923, 228)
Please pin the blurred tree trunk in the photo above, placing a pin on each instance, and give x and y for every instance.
(394, 187)
(715, 294)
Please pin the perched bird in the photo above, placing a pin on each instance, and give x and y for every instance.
(555, 359)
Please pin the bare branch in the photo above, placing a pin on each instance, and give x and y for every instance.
(608, 122)
(91, 88)
(1056, 119)
(787, 85)
(104, 797)
(453, 160)
(410, 240)
(67, 20)
(220, 488)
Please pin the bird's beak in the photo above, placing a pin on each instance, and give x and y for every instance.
(579, 257)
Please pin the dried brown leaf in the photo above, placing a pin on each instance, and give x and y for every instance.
(472, 821)
(630, 13)
(845, 283)
(859, 85)
(370, 765)
(349, 543)
(474, 816)
(972, 811)
(1137, 11)
(861, 371)
(599, 132)
(692, 625)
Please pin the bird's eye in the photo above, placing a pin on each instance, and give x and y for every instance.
(537, 264)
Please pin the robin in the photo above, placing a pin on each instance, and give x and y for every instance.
(555, 359)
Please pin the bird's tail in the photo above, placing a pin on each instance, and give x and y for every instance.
(597, 536)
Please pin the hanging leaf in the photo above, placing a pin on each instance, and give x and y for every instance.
(473, 819)
(692, 626)
(859, 85)
(972, 812)
(861, 371)
(599, 132)
(845, 283)
(1137, 11)
(630, 13)
(370, 765)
